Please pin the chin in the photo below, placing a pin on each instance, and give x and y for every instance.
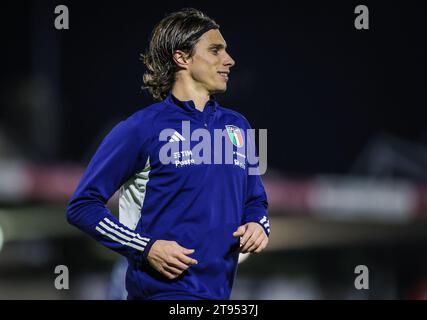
(221, 89)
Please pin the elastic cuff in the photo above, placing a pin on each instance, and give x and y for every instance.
(263, 221)
(147, 249)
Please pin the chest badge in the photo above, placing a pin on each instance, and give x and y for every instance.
(235, 135)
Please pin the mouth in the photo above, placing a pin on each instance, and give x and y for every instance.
(224, 74)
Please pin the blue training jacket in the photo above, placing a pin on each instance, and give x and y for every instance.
(198, 205)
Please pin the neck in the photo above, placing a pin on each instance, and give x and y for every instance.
(188, 92)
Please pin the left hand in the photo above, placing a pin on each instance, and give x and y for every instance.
(253, 238)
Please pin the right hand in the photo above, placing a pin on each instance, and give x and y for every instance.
(169, 258)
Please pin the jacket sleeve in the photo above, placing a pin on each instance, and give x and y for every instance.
(121, 154)
(256, 204)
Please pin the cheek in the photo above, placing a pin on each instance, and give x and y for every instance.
(204, 69)
(201, 72)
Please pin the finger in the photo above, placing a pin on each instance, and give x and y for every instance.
(168, 275)
(256, 244)
(251, 237)
(187, 260)
(246, 237)
(250, 242)
(181, 251)
(187, 251)
(178, 264)
(176, 272)
(262, 246)
(180, 248)
(240, 231)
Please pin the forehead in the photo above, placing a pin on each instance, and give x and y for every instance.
(212, 36)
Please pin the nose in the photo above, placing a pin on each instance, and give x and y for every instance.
(229, 62)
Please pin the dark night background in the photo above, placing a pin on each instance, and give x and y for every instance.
(322, 88)
(347, 139)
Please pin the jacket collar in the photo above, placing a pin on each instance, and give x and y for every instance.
(211, 104)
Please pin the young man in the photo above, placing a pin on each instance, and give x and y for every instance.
(180, 222)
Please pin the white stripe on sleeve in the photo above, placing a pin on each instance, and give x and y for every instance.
(118, 240)
(102, 224)
(135, 235)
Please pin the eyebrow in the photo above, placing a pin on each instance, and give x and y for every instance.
(217, 46)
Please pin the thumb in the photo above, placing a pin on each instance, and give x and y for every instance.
(240, 231)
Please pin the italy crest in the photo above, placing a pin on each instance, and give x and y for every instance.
(235, 135)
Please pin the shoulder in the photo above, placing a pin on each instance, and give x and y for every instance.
(146, 115)
(139, 124)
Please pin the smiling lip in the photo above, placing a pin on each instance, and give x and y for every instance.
(224, 74)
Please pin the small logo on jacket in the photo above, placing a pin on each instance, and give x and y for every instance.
(235, 135)
(176, 137)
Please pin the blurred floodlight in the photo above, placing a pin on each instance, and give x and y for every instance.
(1, 238)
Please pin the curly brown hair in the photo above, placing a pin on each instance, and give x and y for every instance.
(179, 30)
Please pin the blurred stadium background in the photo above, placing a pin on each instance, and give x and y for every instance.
(347, 154)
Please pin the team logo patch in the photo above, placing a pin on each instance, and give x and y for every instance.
(235, 135)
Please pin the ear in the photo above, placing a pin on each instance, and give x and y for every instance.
(181, 59)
